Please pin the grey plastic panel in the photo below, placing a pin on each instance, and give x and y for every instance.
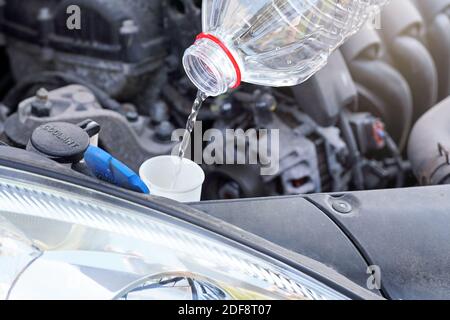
(295, 224)
(406, 232)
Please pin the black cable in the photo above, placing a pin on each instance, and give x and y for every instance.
(355, 155)
(6, 82)
(392, 147)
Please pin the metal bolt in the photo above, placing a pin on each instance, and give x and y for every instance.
(164, 131)
(44, 14)
(266, 102)
(342, 206)
(132, 116)
(129, 27)
(227, 107)
(42, 94)
(159, 112)
(41, 106)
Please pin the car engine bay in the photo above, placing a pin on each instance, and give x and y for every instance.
(366, 121)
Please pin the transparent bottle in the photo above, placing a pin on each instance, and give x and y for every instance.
(270, 42)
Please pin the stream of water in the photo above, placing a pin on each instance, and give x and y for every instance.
(190, 125)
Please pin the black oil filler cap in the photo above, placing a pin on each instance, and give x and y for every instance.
(60, 141)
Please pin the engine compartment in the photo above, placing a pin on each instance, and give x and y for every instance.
(347, 128)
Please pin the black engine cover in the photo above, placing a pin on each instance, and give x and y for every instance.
(102, 32)
(117, 44)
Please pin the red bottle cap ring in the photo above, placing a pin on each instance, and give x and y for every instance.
(228, 53)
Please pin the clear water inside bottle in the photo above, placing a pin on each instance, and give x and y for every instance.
(274, 42)
(267, 42)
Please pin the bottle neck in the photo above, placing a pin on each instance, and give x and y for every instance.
(211, 66)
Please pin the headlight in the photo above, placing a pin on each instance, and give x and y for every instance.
(67, 242)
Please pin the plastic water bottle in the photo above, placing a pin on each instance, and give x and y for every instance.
(270, 42)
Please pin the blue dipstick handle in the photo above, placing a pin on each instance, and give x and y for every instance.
(105, 167)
